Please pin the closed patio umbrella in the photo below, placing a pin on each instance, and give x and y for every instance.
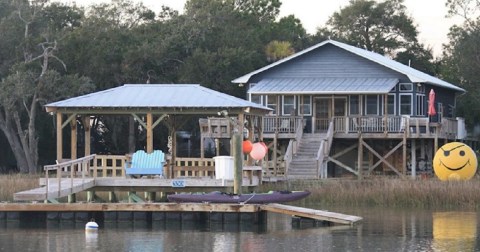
(431, 103)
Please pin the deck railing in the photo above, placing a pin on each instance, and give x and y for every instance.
(194, 167)
(281, 124)
(74, 168)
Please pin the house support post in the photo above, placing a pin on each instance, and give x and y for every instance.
(414, 158)
(360, 157)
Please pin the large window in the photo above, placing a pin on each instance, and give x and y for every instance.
(272, 103)
(371, 105)
(306, 105)
(391, 104)
(354, 105)
(421, 104)
(288, 105)
(405, 105)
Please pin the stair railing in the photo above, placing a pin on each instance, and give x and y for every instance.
(323, 151)
(293, 145)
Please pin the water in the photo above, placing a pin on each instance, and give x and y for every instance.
(381, 230)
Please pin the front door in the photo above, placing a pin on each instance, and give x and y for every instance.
(325, 111)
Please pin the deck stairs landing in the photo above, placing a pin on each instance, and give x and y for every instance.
(304, 162)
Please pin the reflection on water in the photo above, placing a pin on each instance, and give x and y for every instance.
(381, 230)
(454, 231)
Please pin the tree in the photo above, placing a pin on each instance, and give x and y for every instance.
(461, 59)
(382, 27)
(29, 78)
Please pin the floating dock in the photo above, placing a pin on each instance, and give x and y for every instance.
(158, 211)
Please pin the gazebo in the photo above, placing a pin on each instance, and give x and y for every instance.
(154, 102)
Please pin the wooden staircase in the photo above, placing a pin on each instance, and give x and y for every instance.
(304, 161)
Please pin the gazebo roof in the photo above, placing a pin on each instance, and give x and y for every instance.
(157, 98)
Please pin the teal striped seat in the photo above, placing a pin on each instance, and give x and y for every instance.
(146, 164)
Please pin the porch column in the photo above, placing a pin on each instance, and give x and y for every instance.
(73, 139)
(87, 127)
(59, 137)
(149, 133)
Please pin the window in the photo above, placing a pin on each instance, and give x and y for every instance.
(306, 105)
(405, 104)
(288, 102)
(421, 104)
(256, 99)
(406, 87)
(371, 105)
(391, 104)
(272, 103)
(354, 105)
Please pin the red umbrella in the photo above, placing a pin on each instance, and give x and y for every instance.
(431, 103)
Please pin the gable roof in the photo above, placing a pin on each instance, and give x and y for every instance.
(172, 98)
(413, 74)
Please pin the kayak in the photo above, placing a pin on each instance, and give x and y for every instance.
(250, 198)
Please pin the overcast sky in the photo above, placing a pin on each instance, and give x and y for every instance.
(429, 15)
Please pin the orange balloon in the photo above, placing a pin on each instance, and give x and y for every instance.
(247, 146)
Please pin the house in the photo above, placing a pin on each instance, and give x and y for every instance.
(339, 110)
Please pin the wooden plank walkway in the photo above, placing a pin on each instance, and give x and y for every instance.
(311, 213)
(55, 191)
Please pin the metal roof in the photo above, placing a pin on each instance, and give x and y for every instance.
(151, 96)
(324, 86)
(413, 74)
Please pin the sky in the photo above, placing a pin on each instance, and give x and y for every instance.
(428, 15)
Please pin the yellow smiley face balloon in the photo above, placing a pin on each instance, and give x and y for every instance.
(455, 161)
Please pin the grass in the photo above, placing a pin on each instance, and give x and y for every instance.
(388, 192)
(429, 193)
(12, 183)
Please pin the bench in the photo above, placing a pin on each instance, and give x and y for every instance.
(143, 163)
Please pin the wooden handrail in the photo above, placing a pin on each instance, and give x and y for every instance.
(83, 163)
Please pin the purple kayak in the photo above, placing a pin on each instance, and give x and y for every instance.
(250, 198)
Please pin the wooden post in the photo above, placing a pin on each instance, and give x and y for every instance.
(202, 147)
(149, 133)
(360, 157)
(59, 137)
(87, 127)
(404, 152)
(73, 139)
(414, 158)
(237, 157)
(72, 198)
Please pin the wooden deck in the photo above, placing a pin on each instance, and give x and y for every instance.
(311, 213)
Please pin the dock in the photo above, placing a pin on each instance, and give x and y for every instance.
(105, 211)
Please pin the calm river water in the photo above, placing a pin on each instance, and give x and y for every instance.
(381, 230)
